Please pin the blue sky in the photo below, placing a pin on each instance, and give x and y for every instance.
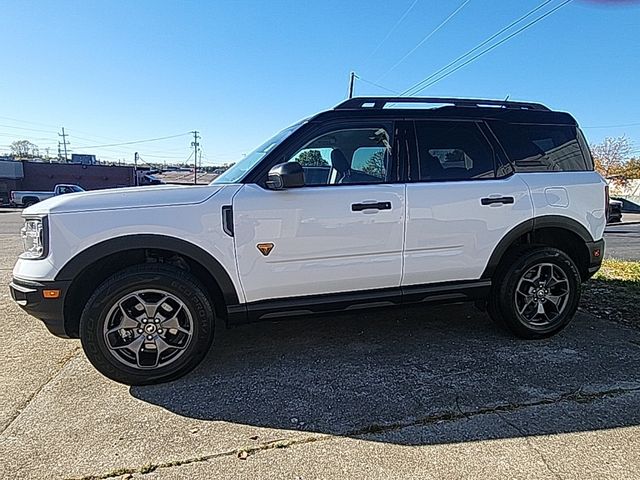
(117, 71)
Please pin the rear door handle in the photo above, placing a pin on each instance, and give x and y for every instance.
(492, 200)
(359, 207)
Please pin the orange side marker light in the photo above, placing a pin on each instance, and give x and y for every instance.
(51, 293)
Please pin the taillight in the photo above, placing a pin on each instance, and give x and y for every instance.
(606, 202)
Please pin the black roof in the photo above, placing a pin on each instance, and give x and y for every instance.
(454, 108)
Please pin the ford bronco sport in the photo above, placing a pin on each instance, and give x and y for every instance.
(369, 204)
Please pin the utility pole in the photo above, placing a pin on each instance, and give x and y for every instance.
(195, 146)
(64, 141)
(352, 81)
(135, 169)
(59, 152)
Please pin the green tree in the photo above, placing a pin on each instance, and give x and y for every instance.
(311, 158)
(375, 165)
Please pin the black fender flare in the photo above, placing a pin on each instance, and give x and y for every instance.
(530, 226)
(151, 241)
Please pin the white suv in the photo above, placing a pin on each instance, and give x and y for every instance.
(367, 205)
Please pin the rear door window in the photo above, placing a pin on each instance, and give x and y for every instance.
(450, 150)
(541, 148)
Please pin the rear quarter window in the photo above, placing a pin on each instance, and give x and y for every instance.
(542, 148)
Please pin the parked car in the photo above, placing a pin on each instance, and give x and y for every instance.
(495, 202)
(18, 198)
(149, 179)
(615, 211)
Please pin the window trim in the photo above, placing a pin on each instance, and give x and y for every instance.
(498, 148)
(478, 123)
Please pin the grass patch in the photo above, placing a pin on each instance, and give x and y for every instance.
(614, 292)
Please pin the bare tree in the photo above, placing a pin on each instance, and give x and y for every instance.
(24, 149)
(611, 155)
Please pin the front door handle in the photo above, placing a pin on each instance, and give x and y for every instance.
(492, 200)
(359, 207)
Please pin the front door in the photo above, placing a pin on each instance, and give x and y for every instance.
(343, 231)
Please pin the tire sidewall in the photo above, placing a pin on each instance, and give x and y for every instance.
(512, 276)
(115, 288)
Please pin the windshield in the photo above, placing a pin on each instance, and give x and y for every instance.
(237, 172)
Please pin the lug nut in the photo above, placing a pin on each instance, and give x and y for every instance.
(159, 330)
(149, 337)
(139, 330)
(144, 320)
(156, 320)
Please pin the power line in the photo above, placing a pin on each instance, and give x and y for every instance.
(480, 45)
(138, 141)
(495, 45)
(29, 129)
(382, 87)
(615, 126)
(427, 37)
(28, 122)
(406, 12)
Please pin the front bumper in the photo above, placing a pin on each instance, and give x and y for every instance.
(29, 296)
(596, 254)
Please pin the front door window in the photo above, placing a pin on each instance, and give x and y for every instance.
(349, 156)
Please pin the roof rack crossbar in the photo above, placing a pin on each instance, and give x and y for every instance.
(380, 102)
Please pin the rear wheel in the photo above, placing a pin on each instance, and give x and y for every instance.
(537, 293)
(147, 324)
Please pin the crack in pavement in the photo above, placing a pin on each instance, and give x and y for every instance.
(62, 362)
(524, 435)
(577, 396)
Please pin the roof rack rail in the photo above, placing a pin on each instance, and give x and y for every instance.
(380, 102)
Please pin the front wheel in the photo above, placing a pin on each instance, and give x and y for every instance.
(537, 294)
(147, 324)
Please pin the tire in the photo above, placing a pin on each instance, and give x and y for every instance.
(122, 340)
(536, 292)
(29, 202)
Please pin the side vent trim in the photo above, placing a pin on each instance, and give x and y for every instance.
(227, 219)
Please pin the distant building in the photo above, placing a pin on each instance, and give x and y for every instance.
(11, 175)
(83, 159)
(25, 175)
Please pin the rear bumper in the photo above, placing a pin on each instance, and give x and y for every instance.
(29, 296)
(596, 254)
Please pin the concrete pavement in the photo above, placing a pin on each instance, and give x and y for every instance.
(405, 393)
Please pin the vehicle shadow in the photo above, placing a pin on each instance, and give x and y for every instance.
(374, 372)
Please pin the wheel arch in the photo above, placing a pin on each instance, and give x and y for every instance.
(93, 265)
(558, 231)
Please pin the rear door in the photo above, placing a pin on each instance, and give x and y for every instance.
(343, 231)
(462, 199)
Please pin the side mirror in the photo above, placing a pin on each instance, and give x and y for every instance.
(285, 175)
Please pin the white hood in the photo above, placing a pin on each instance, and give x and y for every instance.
(124, 198)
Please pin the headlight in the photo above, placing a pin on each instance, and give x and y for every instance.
(33, 238)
